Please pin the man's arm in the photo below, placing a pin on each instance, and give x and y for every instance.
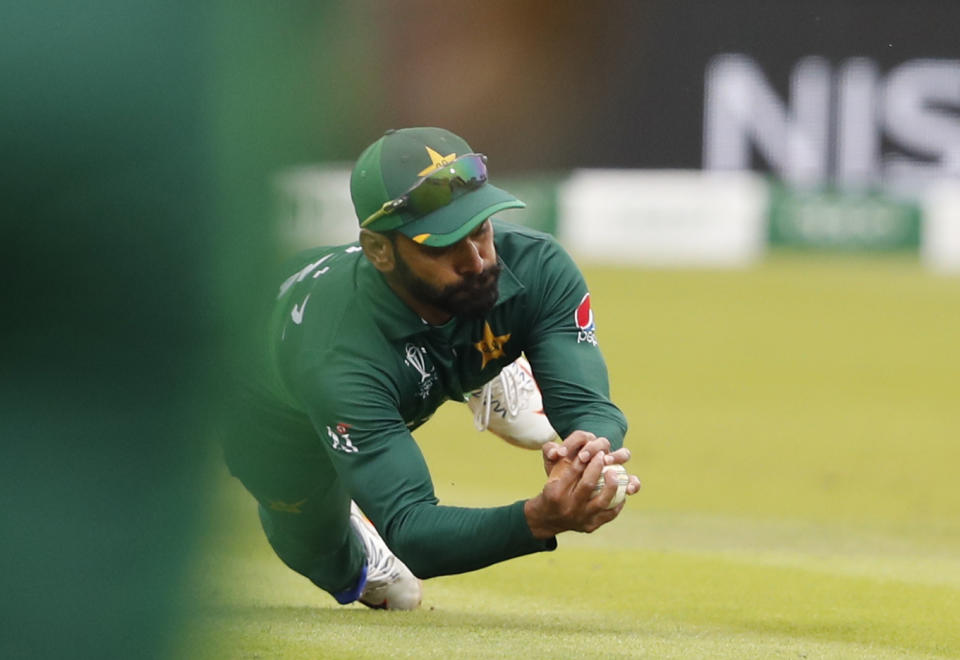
(382, 468)
(565, 354)
(355, 415)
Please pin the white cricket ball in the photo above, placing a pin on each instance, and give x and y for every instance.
(622, 480)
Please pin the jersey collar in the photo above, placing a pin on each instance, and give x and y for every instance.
(392, 315)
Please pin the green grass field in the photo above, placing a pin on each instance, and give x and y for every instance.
(797, 430)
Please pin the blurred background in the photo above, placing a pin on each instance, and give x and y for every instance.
(765, 197)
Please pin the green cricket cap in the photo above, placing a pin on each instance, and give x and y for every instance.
(389, 167)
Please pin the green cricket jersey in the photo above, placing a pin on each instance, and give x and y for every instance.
(366, 370)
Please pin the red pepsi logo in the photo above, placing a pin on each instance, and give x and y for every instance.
(584, 315)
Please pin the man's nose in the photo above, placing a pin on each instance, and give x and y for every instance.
(469, 259)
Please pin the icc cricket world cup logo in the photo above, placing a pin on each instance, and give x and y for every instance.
(416, 358)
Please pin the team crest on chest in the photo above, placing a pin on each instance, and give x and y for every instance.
(491, 346)
(416, 357)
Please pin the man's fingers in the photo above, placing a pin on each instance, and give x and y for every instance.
(564, 474)
(567, 501)
(582, 446)
(605, 496)
(588, 481)
(576, 440)
(618, 457)
(553, 452)
(591, 449)
(574, 468)
(602, 517)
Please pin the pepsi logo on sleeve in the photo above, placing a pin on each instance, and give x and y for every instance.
(583, 317)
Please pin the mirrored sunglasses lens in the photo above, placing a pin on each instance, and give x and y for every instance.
(441, 187)
(470, 170)
(430, 195)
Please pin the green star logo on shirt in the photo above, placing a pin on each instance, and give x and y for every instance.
(491, 346)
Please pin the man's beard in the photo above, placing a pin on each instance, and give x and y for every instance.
(472, 298)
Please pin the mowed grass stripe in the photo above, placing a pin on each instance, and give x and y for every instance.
(609, 604)
(635, 587)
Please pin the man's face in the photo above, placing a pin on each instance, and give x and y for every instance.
(461, 279)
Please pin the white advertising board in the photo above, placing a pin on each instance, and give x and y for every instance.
(940, 231)
(664, 218)
(314, 207)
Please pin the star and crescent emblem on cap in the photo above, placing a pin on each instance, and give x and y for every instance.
(491, 346)
(436, 161)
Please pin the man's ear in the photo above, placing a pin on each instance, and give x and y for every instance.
(378, 249)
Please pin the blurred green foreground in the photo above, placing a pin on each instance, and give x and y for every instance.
(795, 427)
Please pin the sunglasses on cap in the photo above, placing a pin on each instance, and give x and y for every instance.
(434, 191)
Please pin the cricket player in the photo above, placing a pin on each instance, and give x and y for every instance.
(436, 301)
